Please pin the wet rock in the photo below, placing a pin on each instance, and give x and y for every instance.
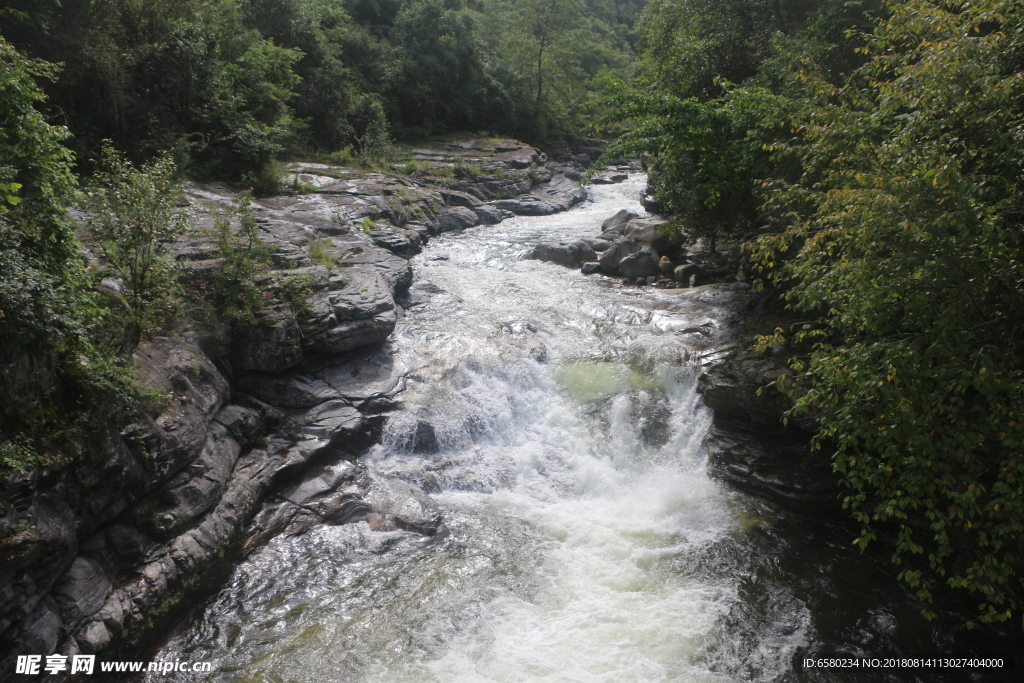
(619, 177)
(287, 391)
(613, 255)
(620, 218)
(641, 264)
(488, 215)
(648, 232)
(457, 218)
(334, 421)
(571, 255)
(424, 439)
(396, 504)
(369, 377)
(748, 444)
(666, 266)
(688, 271)
(82, 590)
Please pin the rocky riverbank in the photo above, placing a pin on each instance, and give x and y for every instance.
(260, 426)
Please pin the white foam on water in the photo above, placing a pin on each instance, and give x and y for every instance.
(575, 491)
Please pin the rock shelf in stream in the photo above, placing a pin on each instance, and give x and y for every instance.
(106, 555)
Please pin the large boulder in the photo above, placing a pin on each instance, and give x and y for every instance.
(619, 249)
(641, 264)
(648, 232)
(621, 217)
(571, 255)
(689, 272)
(456, 218)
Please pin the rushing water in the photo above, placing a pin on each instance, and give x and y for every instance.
(585, 540)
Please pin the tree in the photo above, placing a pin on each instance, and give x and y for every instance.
(134, 218)
(905, 248)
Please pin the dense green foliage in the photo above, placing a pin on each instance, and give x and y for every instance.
(909, 249)
(232, 84)
(60, 383)
(716, 96)
(881, 192)
(133, 221)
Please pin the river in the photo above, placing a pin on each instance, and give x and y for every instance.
(585, 540)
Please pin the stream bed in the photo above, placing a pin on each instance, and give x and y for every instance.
(584, 539)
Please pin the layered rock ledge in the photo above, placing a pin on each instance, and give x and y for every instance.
(261, 426)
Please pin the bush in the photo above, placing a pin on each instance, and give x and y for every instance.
(134, 219)
(904, 252)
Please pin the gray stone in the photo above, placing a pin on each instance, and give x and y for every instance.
(352, 334)
(82, 590)
(271, 345)
(571, 255)
(619, 249)
(666, 265)
(287, 391)
(396, 504)
(453, 198)
(364, 296)
(621, 217)
(333, 421)
(488, 215)
(198, 488)
(688, 271)
(42, 628)
(598, 244)
(456, 218)
(361, 376)
(647, 232)
(93, 637)
(590, 268)
(242, 423)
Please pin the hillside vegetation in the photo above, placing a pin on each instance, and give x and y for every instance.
(230, 85)
(868, 158)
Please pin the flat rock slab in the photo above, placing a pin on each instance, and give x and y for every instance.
(362, 376)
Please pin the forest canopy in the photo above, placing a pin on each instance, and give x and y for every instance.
(868, 158)
(230, 85)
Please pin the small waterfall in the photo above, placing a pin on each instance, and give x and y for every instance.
(555, 419)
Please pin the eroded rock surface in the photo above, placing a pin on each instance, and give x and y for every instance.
(98, 555)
